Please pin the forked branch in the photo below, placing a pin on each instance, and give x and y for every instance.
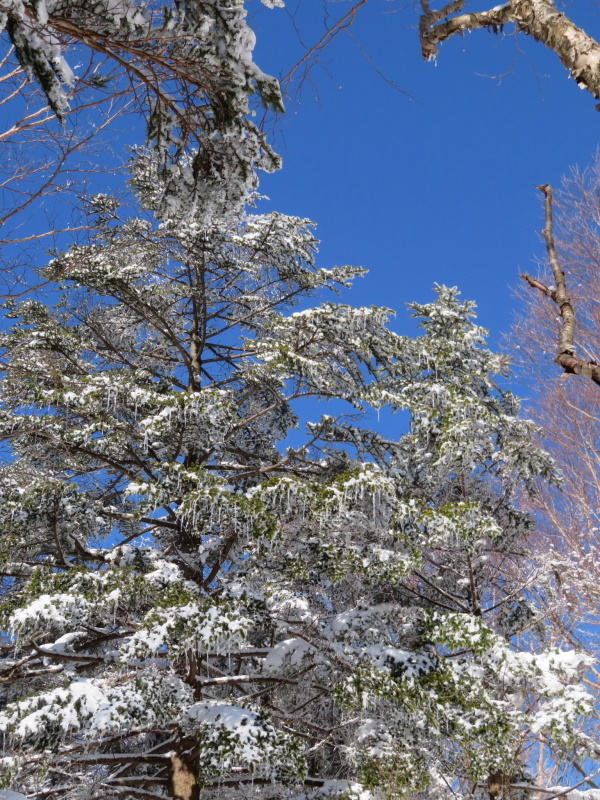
(566, 355)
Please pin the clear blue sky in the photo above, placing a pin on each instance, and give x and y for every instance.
(437, 188)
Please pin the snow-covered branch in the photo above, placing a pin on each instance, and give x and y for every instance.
(540, 19)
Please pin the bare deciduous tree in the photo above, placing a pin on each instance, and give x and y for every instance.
(559, 321)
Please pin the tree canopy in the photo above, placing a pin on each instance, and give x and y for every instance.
(197, 596)
(209, 587)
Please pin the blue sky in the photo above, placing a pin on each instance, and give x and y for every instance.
(435, 188)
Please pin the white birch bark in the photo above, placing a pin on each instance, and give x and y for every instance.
(539, 19)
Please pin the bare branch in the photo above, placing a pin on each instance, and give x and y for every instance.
(566, 355)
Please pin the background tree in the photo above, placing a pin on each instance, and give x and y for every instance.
(565, 405)
(198, 597)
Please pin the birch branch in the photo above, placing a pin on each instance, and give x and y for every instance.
(539, 19)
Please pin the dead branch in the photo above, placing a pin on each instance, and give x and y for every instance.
(566, 355)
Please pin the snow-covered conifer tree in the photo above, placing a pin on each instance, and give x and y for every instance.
(203, 596)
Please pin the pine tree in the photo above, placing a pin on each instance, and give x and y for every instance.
(199, 600)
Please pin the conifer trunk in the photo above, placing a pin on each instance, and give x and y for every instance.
(183, 784)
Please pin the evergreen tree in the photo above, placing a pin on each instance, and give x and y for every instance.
(198, 600)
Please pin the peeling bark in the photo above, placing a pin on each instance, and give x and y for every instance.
(183, 783)
(539, 19)
(566, 355)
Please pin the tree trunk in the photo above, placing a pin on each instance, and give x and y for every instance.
(183, 784)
